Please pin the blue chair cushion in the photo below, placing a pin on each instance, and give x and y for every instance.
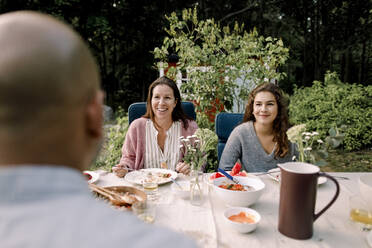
(225, 123)
(136, 110)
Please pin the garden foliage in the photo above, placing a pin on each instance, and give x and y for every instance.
(332, 104)
(209, 139)
(214, 57)
(110, 153)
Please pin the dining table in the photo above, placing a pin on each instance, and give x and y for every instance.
(207, 225)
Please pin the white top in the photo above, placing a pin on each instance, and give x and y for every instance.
(51, 206)
(154, 156)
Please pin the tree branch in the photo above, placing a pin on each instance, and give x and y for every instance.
(237, 12)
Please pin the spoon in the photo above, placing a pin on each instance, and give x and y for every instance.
(174, 181)
(232, 178)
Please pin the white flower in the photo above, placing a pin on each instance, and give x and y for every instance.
(194, 136)
(314, 133)
(188, 137)
(293, 158)
(295, 131)
(181, 146)
(307, 137)
(308, 149)
(266, 80)
(320, 141)
(181, 138)
(306, 133)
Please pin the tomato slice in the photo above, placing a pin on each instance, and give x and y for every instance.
(236, 169)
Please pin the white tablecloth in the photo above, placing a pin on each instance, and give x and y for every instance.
(206, 225)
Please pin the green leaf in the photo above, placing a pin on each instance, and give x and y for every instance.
(332, 131)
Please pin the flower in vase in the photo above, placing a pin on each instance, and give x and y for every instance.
(193, 152)
(310, 147)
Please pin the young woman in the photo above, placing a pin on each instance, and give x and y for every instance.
(152, 141)
(260, 142)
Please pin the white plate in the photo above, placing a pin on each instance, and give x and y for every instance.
(276, 176)
(137, 176)
(94, 175)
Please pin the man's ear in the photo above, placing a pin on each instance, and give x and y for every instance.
(94, 115)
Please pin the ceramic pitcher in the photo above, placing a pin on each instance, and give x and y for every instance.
(297, 199)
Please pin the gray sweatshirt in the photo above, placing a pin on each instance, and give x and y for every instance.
(243, 145)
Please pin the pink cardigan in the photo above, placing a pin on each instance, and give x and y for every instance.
(135, 141)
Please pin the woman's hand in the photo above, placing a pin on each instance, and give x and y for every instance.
(120, 170)
(182, 167)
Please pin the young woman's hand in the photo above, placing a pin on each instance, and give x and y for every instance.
(120, 170)
(182, 167)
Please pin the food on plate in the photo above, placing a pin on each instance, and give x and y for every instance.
(240, 174)
(242, 217)
(236, 169)
(129, 198)
(216, 175)
(120, 196)
(236, 187)
(163, 175)
(87, 176)
(150, 175)
(155, 177)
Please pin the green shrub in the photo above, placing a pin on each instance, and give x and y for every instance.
(110, 153)
(333, 104)
(209, 140)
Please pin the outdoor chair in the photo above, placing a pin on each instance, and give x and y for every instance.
(225, 123)
(136, 110)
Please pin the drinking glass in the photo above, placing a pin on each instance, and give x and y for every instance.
(150, 186)
(360, 213)
(145, 211)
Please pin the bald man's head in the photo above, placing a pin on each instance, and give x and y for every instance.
(44, 66)
(49, 92)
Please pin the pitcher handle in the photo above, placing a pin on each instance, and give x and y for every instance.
(316, 216)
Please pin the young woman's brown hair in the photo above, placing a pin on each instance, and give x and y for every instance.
(178, 113)
(281, 123)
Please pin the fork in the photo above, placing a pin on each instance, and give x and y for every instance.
(266, 173)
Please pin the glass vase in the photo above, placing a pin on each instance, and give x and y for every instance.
(196, 190)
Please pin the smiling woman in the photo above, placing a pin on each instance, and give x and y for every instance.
(260, 142)
(153, 140)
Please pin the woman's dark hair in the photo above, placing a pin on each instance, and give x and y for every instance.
(177, 113)
(281, 122)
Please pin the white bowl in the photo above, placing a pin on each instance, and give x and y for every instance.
(242, 227)
(239, 198)
(365, 187)
(183, 193)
